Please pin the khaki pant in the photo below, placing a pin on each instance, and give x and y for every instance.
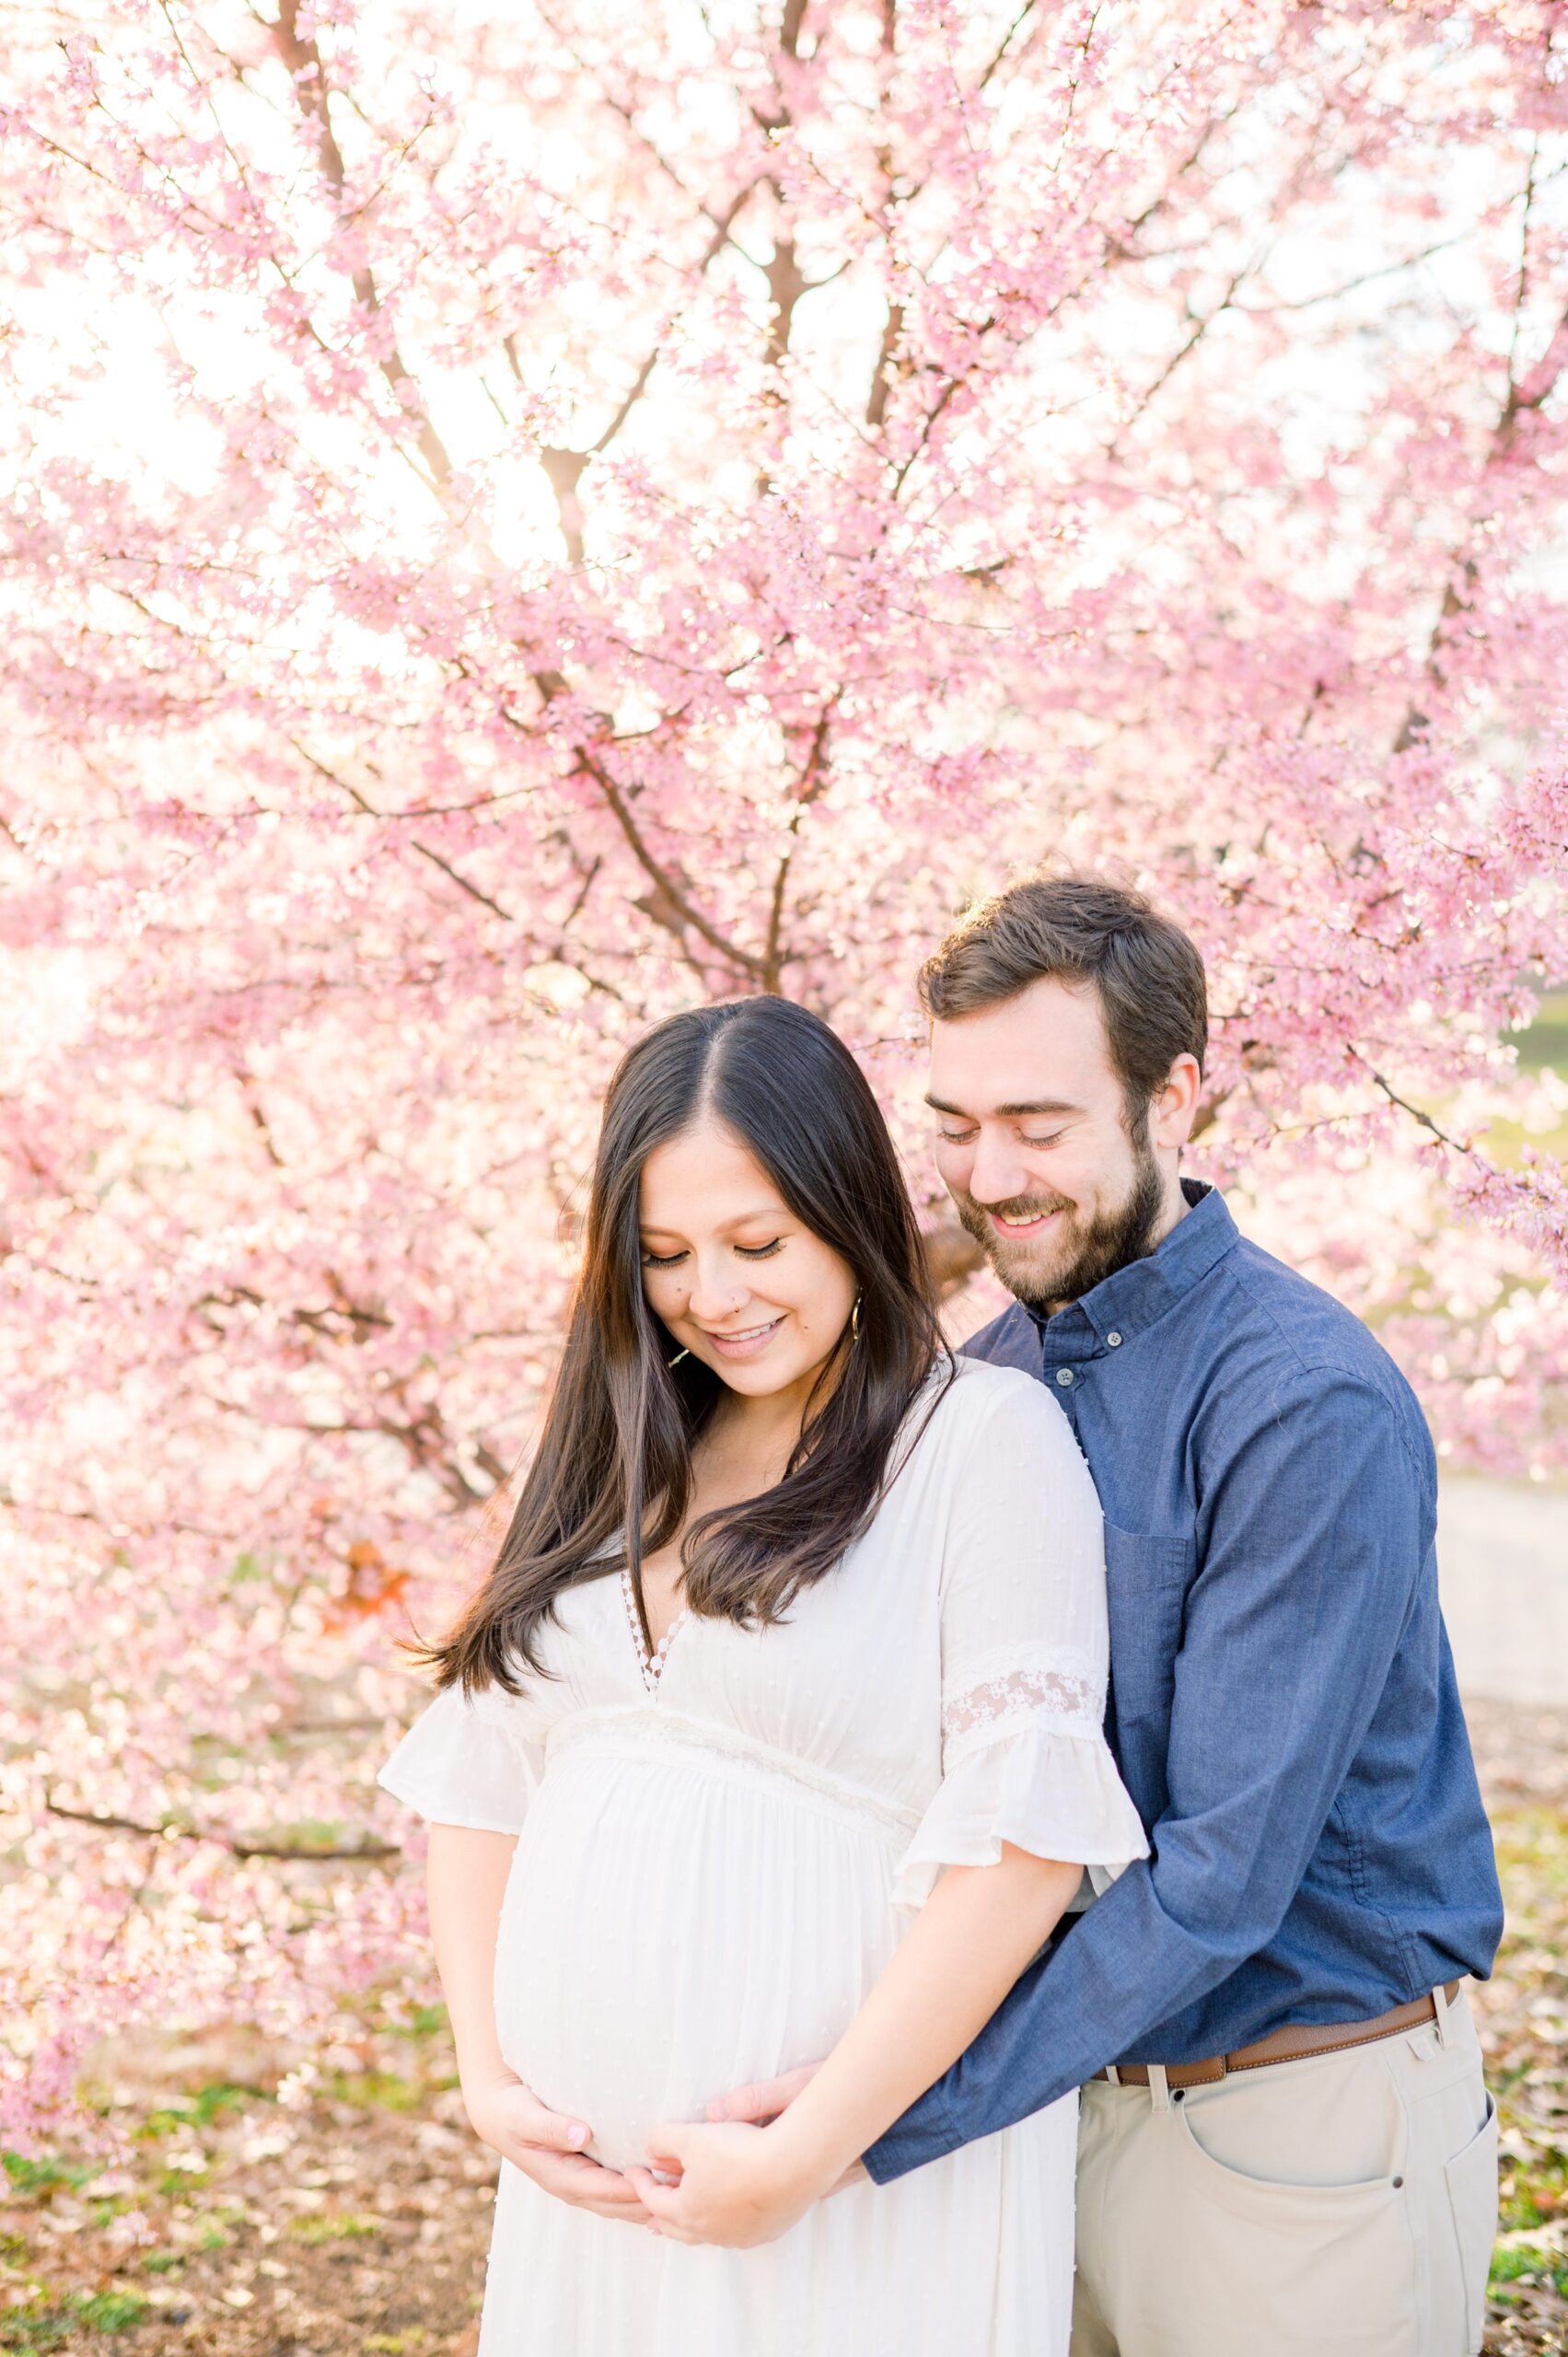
(1342, 2206)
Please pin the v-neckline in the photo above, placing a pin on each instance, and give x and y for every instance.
(650, 1667)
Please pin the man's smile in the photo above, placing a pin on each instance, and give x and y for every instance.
(1034, 1224)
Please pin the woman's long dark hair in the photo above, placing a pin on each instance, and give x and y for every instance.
(615, 1454)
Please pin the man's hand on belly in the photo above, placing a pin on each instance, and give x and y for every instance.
(547, 2147)
(765, 2098)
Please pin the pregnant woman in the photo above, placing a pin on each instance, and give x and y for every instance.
(776, 1732)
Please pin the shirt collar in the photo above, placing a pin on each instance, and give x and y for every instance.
(1139, 1294)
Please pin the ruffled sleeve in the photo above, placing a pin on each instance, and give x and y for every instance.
(1025, 1651)
(1024, 1761)
(467, 1762)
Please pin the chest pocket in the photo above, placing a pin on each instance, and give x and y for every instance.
(1146, 1582)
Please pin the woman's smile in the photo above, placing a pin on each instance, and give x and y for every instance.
(749, 1341)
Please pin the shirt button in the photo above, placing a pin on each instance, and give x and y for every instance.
(1065, 1376)
(1114, 1341)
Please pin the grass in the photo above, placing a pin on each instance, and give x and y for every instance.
(47, 2323)
(199, 2111)
(37, 2179)
(333, 2227)
(1545, 1041)
(377, 2090)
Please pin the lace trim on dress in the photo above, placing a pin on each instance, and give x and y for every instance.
(1006, 1698)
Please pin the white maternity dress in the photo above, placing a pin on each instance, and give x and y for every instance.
(718, 1854)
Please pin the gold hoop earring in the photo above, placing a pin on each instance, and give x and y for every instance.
(679, 1356)
(855, 1320)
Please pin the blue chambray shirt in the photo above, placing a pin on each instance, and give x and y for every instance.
(1282, 1703)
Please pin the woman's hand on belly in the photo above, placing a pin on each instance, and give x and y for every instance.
(545, 2145)
(739, 2185)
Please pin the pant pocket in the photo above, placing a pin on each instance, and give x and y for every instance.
(1471, 2178)
(1319, 2271)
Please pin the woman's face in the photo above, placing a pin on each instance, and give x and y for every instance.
(730, 1270)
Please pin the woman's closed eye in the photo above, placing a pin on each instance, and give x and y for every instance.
(747, 1252)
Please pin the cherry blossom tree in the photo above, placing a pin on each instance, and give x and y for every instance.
(522, 519)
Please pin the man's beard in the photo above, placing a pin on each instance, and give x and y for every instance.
(1088, 1255)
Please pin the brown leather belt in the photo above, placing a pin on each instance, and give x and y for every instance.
(1288, 2044)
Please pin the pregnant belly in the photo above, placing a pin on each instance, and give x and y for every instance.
(669, 1931)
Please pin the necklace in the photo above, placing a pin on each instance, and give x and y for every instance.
(650, 1665)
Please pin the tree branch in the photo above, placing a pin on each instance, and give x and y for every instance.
(1521, 400)
(881, 381)
(301, 57)
(239, 1845)
(665, 884)
(1456, 1145)
(1199, 330)
(812, 780)
(1024, 13)
(435, 857)
(564, 466)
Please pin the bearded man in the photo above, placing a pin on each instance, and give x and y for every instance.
(1285, 2143)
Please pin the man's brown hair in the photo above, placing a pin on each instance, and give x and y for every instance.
(1083, 930)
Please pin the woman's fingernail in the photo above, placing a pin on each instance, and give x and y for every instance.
(577, 2133)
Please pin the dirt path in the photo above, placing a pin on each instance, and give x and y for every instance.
(1503, 1561)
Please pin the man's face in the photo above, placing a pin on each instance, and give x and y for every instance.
(1033, 1146)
